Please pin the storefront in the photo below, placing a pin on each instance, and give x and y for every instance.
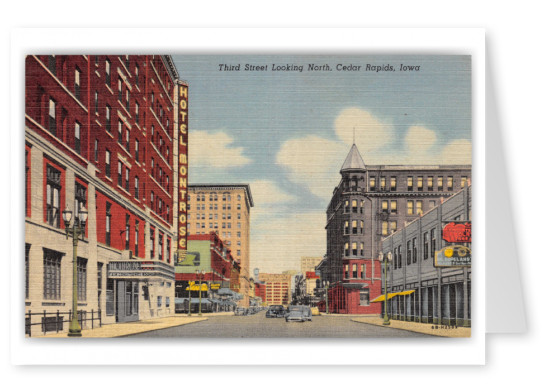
(138, 290)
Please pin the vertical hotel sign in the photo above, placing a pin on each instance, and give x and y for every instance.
(182, 169)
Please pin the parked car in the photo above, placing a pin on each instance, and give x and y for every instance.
(275, 311)
(241, 311)
(299, 313)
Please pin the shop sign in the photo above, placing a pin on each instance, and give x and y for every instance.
(182, 170)
(453, 256)
(457, 232)
(214, 287)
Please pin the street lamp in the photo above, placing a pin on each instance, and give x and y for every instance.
(326, 286)
(78, 229)
(189, 303)
(200, 276)
(387, 258)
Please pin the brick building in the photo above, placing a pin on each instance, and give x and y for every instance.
(225, 209)
(99, 135)
(369, 204)
(209, 254)
(278, 288)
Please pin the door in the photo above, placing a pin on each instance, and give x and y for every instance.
(127, 301)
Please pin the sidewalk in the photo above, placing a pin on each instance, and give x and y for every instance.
(425, 328)
(130, 328)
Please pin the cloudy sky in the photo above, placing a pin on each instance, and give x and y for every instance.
(287, 132)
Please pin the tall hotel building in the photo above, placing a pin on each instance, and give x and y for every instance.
(100, 134)
(369, 204)
(225, 209)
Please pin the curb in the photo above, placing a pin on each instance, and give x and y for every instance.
(161, 328)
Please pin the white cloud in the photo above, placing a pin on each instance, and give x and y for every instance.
(457, 152)
(419, 139)
(214, 150)
(371, 133)
(278, 243)
(267, 192)
(314, 162)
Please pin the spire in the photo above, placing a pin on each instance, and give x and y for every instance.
(353, 161)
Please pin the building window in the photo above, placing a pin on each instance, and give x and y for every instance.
(384, 206)
(450, 183)
(119, 174)
(372, 183)
(354, 270)
(80, 199)
(361, 248)
(432, 204)
(107, 163)
(419, 183)
(432, 242)
(410, 207)
(96, 103)
(440, 183)
(77, 137)
(127, 95)
(137, 188)
(100, 283)
(383, 183)
(354, 206)
(128, 140)
(53, 191)
(127, 180)
(430, 185)
(136, 238)
(119, 89)
(52, 118)
(354, 227)
(408, 252)
(410, 183)
(363, 271)
(400, 256)
(392, 183)
(385, 228)
(152, 242)
(346, 249)
(425, 245)
(108, 224)
(52, 275)
(167, 250)
(127, 233)
(137, 150)
(108, 118)
(81, 277)
(393, 207)
(346, 206)
(137, 114)
(419, 207)
(346, 228)
(463, 181)
(120, 132)
(364, 297)
(354, 248)
(395, 258)
(96, 150)
(108, 72)
(77, 83)
(393, 226)
(414, 249)
(52, 65)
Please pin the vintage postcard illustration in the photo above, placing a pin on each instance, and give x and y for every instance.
(248, 196)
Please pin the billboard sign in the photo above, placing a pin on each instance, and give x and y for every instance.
(457, 232)
(453, 256)
(182, 170)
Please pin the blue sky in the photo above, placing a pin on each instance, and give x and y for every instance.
(288, 132)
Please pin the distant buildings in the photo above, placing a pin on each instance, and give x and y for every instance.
(218, 274)
(278, 288)
(369, 204)
(225, 209)
(99, 136)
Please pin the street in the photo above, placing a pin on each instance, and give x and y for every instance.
(258, 326)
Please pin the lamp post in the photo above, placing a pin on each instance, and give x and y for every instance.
(386, 258)
(189, 303)
(78, 229)
(200, 276)
(326, 285)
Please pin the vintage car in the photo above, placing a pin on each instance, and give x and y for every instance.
(298, 313)
(275, 311)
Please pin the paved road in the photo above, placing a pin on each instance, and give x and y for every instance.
(258, 326)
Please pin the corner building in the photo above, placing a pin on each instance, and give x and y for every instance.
(99, 134)
(225, 209)
(369, 204)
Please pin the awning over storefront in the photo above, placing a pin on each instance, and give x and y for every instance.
(405, 293)
(382, 297)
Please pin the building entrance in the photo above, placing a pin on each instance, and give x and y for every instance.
(127, 301)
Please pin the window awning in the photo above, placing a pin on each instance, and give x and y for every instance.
(405, 293)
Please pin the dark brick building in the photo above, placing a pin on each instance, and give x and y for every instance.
(369, 204)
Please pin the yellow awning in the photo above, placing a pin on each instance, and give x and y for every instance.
(382, 297)
(405, 293)
(195, 287)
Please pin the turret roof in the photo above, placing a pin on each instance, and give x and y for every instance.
(353, 161)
